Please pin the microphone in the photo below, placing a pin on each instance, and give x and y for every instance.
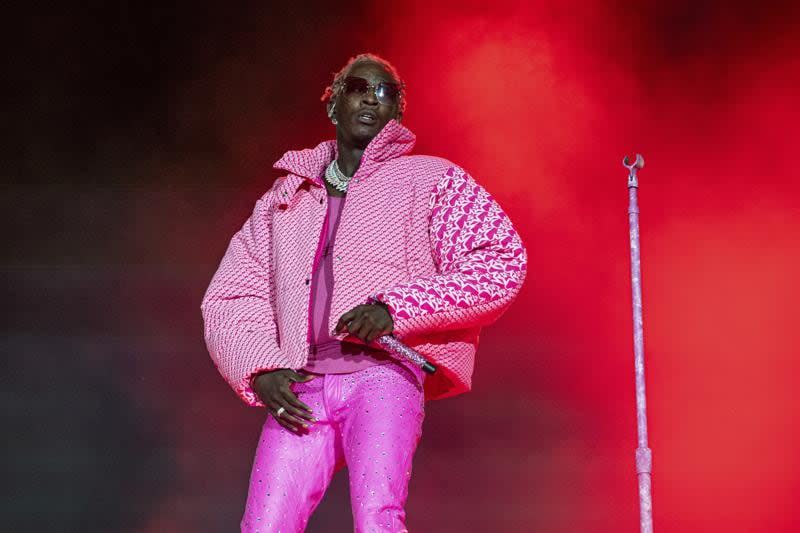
(394, 346)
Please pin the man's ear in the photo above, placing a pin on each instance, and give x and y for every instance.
(332, 110)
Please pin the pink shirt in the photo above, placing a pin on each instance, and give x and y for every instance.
(329, 355)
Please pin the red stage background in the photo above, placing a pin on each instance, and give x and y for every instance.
(143, 138)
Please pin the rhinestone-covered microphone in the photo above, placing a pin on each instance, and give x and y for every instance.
(397, 348)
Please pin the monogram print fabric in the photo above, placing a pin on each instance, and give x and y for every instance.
(416, 232)
(479, 258)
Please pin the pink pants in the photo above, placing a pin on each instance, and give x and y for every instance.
(370, 420)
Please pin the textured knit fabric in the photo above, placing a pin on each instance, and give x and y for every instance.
(417, 233)
(329, 355)
(370, 420)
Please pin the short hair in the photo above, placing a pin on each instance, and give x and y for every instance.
(338, 77)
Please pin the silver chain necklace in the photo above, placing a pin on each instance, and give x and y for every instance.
(336, 177)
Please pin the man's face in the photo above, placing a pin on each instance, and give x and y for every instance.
(360, 116)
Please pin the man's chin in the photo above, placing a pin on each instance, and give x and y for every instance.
(363, 134)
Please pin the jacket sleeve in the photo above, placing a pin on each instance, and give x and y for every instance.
(480, 261)
(238, 308)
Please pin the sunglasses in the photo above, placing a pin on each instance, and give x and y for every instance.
(386, 92)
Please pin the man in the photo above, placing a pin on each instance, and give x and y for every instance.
(358, 240)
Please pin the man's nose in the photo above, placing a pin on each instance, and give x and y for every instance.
(369, 96)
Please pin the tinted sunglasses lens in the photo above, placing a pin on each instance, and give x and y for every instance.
(355, 85)
(387, 92)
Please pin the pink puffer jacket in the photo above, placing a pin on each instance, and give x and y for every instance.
(416, 232)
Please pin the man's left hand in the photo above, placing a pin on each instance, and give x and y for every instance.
(367, 322)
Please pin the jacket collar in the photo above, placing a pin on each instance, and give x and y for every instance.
(392, 141)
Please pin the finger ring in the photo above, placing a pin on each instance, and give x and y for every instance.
(280, 411)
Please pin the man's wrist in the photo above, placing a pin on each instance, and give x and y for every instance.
(260, 373)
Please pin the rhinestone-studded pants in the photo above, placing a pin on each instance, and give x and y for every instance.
(370, 420)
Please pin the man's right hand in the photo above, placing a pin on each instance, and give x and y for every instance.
(274, 390)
